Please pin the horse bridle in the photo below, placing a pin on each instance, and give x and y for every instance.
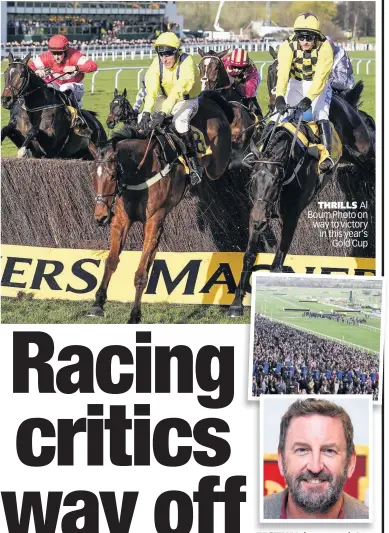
(26, 80)
(205, 78)
(125, 111)
(100, 198)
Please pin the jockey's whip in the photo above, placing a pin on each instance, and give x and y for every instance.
(261, 120)
(275, 125)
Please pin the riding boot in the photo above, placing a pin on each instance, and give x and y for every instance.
(81, 123)
(196, 168)
(326, 139)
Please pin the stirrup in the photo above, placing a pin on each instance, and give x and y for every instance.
(195, 177)
(326, 165)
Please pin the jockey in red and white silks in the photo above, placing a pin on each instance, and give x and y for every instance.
(63, 59)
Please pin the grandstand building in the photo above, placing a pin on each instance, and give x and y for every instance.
(86, 21)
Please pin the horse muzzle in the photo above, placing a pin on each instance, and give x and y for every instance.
(103, 220)
(7, 102)
(111, 123)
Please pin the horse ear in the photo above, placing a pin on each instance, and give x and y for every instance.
(223, 53)
(200, 52)
(125, 92)
(10, 57)
(115, 93)
(254, 149)
(27, 58)
(272, 52)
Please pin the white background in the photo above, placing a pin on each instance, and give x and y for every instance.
(241, 415)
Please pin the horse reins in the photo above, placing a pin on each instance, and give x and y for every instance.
(146, 152)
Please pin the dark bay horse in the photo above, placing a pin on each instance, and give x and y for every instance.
(282, 184)
(120, 110)
(357, 127)
(215, 77)
(48, 129)
(134, 180)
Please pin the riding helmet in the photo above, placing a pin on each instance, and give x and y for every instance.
(59, 43)
(239, 58)
(308, 23)
(167, 42)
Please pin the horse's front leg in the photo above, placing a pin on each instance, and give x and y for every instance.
(153, 230)
(13, 134)
(256, 228)
(289, 224)
(118, 234)
(32, 132)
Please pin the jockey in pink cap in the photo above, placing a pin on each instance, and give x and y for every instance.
(244, 75)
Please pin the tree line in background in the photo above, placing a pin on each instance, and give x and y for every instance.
(339, 19)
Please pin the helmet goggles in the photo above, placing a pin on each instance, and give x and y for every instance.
(306, 36)
(166, 51)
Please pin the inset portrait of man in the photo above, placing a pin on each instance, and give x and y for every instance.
(316, 456)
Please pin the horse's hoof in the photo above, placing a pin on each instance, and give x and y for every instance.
(235, 311)
(134, 319)
(96, 312)
(21, 152)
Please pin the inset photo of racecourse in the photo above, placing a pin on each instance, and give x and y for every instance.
(316, 335)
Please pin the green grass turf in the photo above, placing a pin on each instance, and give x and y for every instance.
(29, 311)
(105, 81)
(271, 304)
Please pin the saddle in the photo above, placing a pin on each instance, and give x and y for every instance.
(308, 137)
(172, 147)
(77, 118)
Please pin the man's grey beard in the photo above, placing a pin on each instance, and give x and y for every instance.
(315, 502)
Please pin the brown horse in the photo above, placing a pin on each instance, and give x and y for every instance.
(245, 125)
(142, 180)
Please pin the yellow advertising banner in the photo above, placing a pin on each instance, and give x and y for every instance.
(189, 277)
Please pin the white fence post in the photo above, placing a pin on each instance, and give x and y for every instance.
(117, 77)
(93, 82)
(138, 78)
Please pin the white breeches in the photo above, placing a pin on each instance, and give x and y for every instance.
(183, 112)
(297, 90)
(77, 88)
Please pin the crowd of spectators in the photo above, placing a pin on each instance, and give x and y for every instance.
(290, 361)
(124, 42)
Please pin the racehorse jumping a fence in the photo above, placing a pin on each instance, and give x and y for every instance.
(42, 120)
(135, 181)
